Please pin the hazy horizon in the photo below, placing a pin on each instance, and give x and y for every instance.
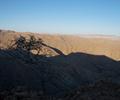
(63, 16)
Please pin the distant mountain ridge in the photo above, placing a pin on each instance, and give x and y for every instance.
(97, 45)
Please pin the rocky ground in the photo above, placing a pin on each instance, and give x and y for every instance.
(102, 90)
(67, 68)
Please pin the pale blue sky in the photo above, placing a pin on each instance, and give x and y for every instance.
(61, 16)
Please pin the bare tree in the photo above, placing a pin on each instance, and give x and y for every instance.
(20, 43)
(34, 44)
(29, 44)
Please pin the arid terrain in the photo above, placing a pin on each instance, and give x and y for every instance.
(95, 44)
(69, 67)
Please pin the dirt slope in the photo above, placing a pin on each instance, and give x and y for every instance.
(98, 45)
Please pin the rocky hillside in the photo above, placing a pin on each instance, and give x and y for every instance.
(97, 45)
(71, 63)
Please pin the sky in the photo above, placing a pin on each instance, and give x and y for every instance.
(61, 16)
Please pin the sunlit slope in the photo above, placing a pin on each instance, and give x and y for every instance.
(99, 46)
(71, 43)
